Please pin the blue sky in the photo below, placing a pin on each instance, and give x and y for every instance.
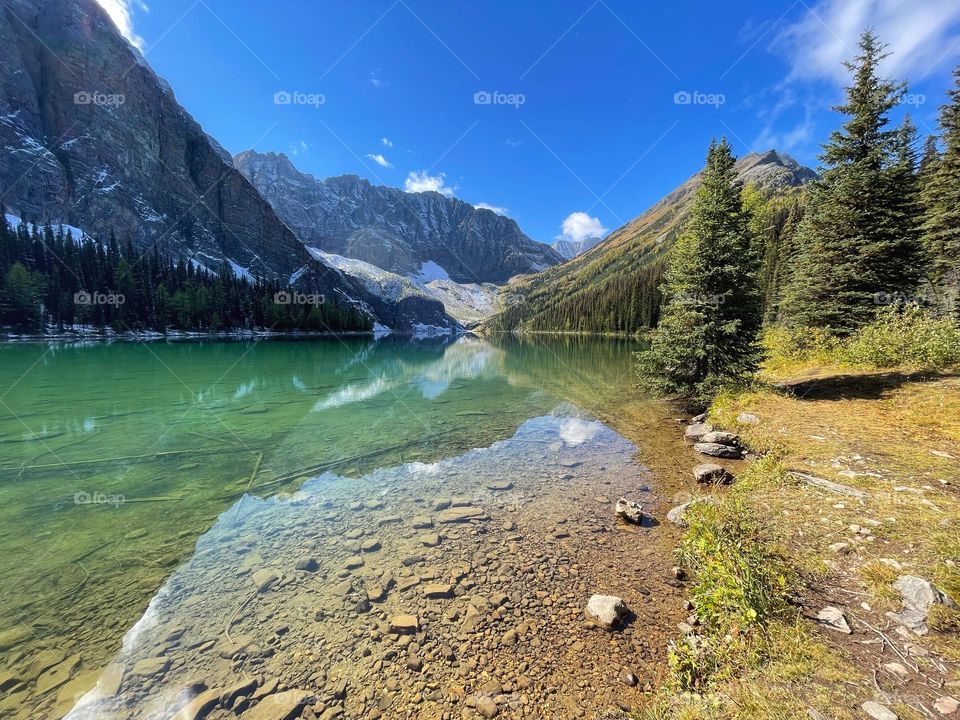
(569, 115)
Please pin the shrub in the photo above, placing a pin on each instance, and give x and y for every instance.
(740, 580)
(905, 338)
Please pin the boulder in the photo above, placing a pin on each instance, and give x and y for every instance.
(629, 511)
(748, 419)
(918, 595)
(487, 707)
(200, 706)
(696, 431)
(14, 636)
(264, 579)
(712, 474)
(721, 438)
(606, 610)
(151, 666)
(718, 450)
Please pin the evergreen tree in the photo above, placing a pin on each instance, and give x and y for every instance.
(858, 241)
(711, 318)
(941, 200)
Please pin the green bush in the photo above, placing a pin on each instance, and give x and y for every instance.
(740, 580)
(905, 338)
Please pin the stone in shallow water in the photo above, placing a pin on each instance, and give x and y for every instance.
(264, 579)
(280, 706)
(500, 486)
(57, 675)
(629, 511)
(606, 610)
(404, 624)
(461, 514)
(429, 539)
(438, 590)
(200, 706)
(14, 636)
(151, 666)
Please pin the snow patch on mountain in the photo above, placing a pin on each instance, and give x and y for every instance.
(14, 222)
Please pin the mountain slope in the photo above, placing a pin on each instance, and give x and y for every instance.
(392, 229)
(613, 287)
(569, 249)
(93, 138)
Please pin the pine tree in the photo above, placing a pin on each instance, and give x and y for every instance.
(858, 242)
(711, 318)
(941, 200)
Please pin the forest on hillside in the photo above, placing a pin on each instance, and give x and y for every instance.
(51, 281)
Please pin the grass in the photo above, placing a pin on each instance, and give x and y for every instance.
(892, 432)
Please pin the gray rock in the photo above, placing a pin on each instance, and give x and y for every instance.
(718, 450)
(712, 474)
(629, 511)
(946, 705)
(918, 596)
(696, 431)
(606, 610)
(461, 514)
(878, 711)
(748, 419)
(721, 438)
(829, 485)
(834, 619)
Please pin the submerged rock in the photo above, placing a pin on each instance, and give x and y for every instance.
(629, 511)
(461, 514)
(279, 706)
(606, 610)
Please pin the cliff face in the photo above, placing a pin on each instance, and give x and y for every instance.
(92, 137)
(392, 229)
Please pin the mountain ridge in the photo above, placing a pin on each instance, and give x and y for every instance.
(612, 287)
(392, 229)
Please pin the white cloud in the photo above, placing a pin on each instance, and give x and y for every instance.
(423, 182)
(379, 160)
(580, 226)
(789, 140)
(495, 208)
(923, 37)
(386, 142)
(121, 12)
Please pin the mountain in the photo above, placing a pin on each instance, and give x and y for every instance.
(613, 287)
(569, 249)
(93, 138)
(397, 231)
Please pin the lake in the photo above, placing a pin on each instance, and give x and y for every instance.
(237, 522)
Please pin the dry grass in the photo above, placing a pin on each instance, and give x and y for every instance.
(893, 435)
